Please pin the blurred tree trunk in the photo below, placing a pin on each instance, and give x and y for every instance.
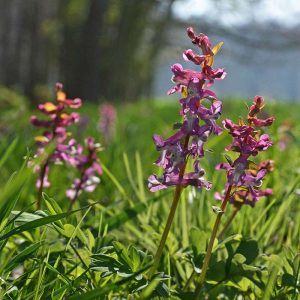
(91, 55)
(23, 53)
(130, 53)
(80, 55)
(12, 20)
(122, 71)
(88, 79)
(98, 48)
(159, 39)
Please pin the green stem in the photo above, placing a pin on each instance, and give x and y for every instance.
(190, 279)
(211, 243)
(174, 205)
(41, 187)
(219, 236)
(229, 221)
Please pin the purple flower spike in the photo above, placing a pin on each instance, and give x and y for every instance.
(200, 109)
(56, 124)
(245, 176)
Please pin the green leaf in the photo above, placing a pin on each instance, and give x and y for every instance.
(239, 258)
(249, 249)
(135, 258)
(129, 173)
(91, 295)
(122, 253)
(199, 240)
(114, 180)
(38, 223)
(139, 175)
(130, 213)
(22, 256)
(274, 259)
(288, 280)
(162, 290)
(216, 271)
(11, 194)
(53, 207)
(9, 152)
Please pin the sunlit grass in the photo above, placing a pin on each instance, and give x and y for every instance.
(104, 246)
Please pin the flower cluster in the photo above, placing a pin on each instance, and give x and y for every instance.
(243, 174)
(200, 109)
(66, 149)
(55, 131)
(88, 166)
(107, 124)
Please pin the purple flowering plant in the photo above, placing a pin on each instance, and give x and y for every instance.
(65, 149)
(244, 176)
(200, 109)
(89, 168)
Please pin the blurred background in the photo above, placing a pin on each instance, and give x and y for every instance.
(121, 50)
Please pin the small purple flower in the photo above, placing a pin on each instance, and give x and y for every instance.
(89, 168)
(194, 178)
(44, 182)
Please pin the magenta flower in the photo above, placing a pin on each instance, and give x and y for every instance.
(107, 123)
(245, 176)
(247, 188)
(58, 119)
(199, 120)
(183, 78)
(170, 179)
(89, 168)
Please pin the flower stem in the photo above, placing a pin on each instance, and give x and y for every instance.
(211, 243)
(174, 205)
(227, 224)
(190, 279)
(78, 188)
(41, 187)
(229, 221)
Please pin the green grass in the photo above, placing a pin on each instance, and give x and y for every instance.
(104, 247)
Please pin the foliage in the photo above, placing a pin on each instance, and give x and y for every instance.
(12, 106)
(103, 248)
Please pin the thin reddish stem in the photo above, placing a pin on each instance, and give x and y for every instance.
(211, 243)
(41, 187)
(229, 221)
